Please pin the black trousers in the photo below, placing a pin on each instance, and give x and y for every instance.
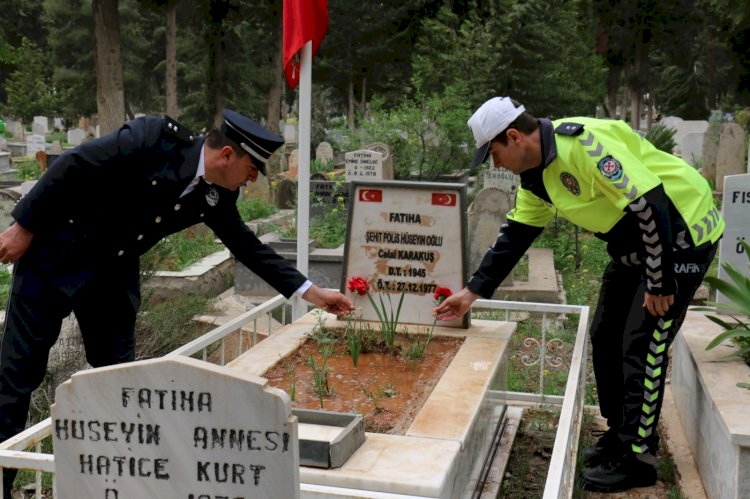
(630, 346)
(105, 307)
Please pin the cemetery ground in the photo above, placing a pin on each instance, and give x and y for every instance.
(579, 258)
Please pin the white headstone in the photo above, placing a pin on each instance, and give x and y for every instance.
(692, 147)
(734, 209)
(76, 136)
(501, 178)
(41, 123)
(58, 124)
(685, 127)
(34, 144)
(364, 164)
(730, 159)
(670, 121)
(176, 427)
(324, 152)
(290, 133)
(406, 238)
(385, 151)
(38, 129)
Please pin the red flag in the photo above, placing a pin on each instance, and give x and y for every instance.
(443, 199)
(304, 20)
(371, 195)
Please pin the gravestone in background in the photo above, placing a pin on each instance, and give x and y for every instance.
(387, 156)
(324, 152)
(406, 239)
(685, 127)
(486, 215)
(735, 209)
(76, 136)
(730, 159)
(4, 161)
(169, 428)
(40, 123)
(34, 144)
(692, 147)
(711, 150)
(327, 194)
(501, 178)
(15, 128)
(364, 165)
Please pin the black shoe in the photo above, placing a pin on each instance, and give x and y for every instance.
(606, 448)
(624, 473)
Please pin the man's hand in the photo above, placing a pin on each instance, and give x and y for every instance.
(14, 241)
(455, 306)
(331, 301)
(657, 305)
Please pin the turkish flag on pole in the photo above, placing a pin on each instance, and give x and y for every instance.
(304, 20)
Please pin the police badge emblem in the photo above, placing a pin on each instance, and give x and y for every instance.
(570, 183)
(610, 168)
(212, 196)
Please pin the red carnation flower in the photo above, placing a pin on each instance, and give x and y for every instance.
(441, 294)
(358, 285)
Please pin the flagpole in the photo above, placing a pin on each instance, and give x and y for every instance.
(299, 306)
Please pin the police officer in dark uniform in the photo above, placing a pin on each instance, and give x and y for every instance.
(79, 232)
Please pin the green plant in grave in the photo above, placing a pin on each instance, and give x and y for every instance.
(736, 289)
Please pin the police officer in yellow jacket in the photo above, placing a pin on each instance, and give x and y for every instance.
(79, 232)
(656, 214)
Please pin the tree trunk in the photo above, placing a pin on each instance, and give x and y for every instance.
(110, 93)
(363, 97)
(636, 100)
(171, 59)
(650, 115)
(624, 104)
(350, 103)
(613, 84)
(216, 74)
(274, 94)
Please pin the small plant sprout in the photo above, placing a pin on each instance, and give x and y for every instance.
(387, 316)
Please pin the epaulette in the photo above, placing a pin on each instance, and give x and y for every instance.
(172, 127)
(569, 128)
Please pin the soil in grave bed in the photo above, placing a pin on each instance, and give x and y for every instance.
(387, 389)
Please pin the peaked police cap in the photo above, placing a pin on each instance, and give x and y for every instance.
(258, 142)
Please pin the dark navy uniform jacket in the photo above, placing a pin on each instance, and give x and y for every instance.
(106, 202)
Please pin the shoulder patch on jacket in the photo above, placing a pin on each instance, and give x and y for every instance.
(172, 127)
(569, 128)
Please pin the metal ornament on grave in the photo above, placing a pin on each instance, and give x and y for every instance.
(406, 239)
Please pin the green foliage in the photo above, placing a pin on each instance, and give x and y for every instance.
(743, 118)
(537, 51)
(5, 279)
(661, 137)
(27, 169)
(28, 86)
(736, 289)
(180, 250)
(252, 208)
(164, 325)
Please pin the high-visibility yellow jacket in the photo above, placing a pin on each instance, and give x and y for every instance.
(603, 177)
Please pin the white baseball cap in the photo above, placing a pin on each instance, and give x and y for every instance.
(488, 121)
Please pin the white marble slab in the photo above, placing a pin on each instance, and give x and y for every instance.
(175, 427)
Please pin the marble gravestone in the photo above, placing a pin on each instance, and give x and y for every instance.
(34, 144)
(364, 164)
(173, 427)
(486, 215)
(501, 178)
(734, 210)
(406, 239)
(730, 158)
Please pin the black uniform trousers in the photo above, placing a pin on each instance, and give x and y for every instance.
(105, 307)
(630, 346)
